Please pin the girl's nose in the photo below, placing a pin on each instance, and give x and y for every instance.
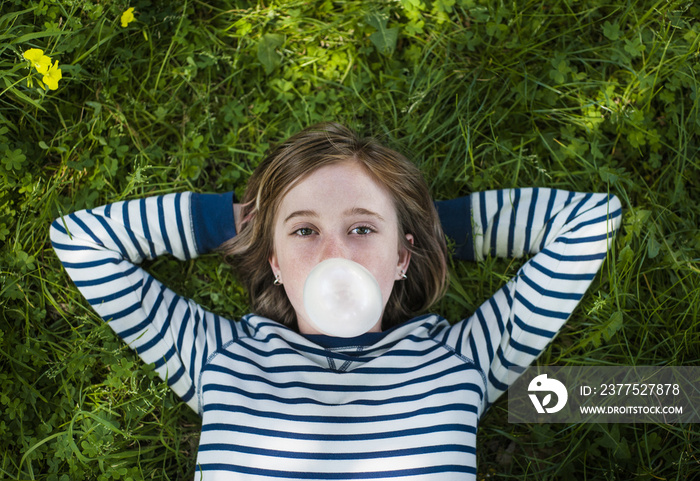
(332, 247)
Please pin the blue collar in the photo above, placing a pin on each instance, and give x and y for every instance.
(332, 342)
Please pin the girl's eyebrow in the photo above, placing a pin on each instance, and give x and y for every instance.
(362, 211)
(301, 213)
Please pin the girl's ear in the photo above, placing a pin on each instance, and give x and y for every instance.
(404, 258)
(274, 264)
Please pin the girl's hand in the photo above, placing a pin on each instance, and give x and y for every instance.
(237, 217)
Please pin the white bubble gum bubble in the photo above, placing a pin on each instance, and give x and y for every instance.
(342, 298)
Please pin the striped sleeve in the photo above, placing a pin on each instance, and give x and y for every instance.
(457, 225)
(101, 250)
(567, 236)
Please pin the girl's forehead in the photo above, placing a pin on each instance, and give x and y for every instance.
(336, 186)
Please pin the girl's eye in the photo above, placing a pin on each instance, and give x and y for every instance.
(304, 231)
(362, 230)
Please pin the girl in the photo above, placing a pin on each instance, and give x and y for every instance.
(279, 400)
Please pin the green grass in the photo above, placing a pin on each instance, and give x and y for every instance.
(586, 95)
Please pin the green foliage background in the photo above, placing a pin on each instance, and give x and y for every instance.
(589, 95)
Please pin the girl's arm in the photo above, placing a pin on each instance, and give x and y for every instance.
(101, 249)
(568, 235)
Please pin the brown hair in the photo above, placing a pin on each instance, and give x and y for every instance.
(293, 160)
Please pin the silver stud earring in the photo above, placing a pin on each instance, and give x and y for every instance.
(403, 275)
(278, 281)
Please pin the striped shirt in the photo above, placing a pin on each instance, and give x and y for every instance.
(404, 403)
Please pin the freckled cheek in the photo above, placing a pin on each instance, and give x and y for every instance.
(383, 268)
(294, 271)
(303, 258)
(294, 262)
(386, 283)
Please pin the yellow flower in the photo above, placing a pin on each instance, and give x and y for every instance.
(128, 16)
(52, 77)
(37, 58)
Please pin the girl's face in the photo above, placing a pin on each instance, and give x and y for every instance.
(337, 211)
